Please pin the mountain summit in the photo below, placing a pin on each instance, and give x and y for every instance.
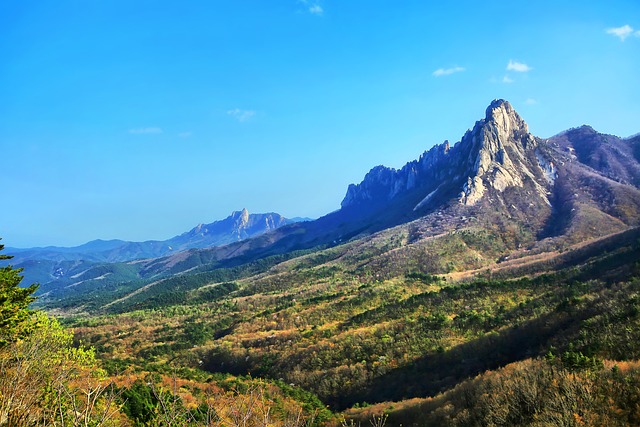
(497, 154)
(502, 146)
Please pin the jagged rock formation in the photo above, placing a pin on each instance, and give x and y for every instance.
(503, 145)
(498, 153)
(499, 172)
(385, 183)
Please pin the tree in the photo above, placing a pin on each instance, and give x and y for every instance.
(45, 380)
(14, 303)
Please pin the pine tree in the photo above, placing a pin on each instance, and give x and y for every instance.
(14, 303)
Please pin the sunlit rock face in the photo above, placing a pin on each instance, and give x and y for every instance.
(504, 155)
(497, 154)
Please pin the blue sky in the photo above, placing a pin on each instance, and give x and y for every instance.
(138, 119)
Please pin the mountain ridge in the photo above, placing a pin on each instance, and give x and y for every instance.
(56, 260)
(510, 176)
(499, 180)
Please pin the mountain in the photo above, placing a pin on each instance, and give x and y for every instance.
(614, 157)
(50, 263)
(535, 193)
(500, 166)
(513, 194)
(498, 176)
(240, 225)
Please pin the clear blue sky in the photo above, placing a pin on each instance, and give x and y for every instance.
(138, 119)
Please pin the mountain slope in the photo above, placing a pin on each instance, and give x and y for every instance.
(613, 157)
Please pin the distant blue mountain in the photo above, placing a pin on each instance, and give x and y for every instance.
(238, 226)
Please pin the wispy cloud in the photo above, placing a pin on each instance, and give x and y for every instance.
(148, 130)
(312, 7)
(185, 134)
(622, 32)
(447, 71)
(241, 115)
(519, 67)
(530, 101)
(316, 9)
(507, 79)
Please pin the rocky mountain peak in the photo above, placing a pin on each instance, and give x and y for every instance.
(501, 154)
(499, 108)
(498, 153)
(503, 125)
(240, 218)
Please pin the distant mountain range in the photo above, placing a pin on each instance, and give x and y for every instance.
(238, 226)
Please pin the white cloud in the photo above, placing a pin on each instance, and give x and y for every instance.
(316, 9)
(312, 7)
(507, 79)
(241, 115)
(447, 71)
(185, 134)
(519, 67)
(530, 101)
(622, 32)
(149, 130)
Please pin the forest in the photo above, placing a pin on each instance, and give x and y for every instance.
(319, 339)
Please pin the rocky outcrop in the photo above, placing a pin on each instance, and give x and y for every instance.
(502, 149)
(383, 184)
(498, 153)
